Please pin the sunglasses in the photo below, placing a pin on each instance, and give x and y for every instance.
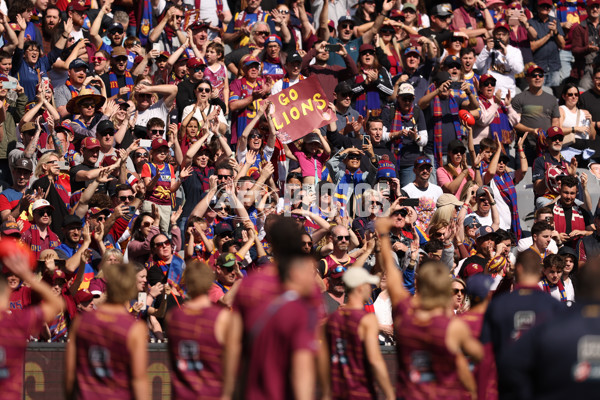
(558, 138)
(262, 33)
(101, 218)
(199, 68)
(488, 83)
(307, 244)
(423, 161)
(43, 211)
(161, 244)
(346, 26)
(87, 105)
(457, 291)
(537, 75)
(459, 151)
(124, 198)
(345, 95)
(354, 157)
(221, 177)
(284, 12)
(368, 53)
(141, 155)
(118, 32)
(157, 131)
(341, 237)
(407, 98)
(98, 59)
(573, 94)
(106, 133)
(121, 59)
(146, 224)
(457, 39)
(203, 90)
(255, 136)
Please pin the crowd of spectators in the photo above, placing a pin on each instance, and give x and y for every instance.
(141, 131)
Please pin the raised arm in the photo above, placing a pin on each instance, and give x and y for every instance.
(95, 28)
(395, 285)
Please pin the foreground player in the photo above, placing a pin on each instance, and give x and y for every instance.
(277, 325)
(431, 343)
(196, 333)
(558, 359)
(19, 325)
(352, 336)
(107, 353)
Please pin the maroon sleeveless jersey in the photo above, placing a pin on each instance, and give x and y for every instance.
(426, 369)
(351, 376)
(484, 371)
(103, 360)
(16, 329)
(196, 356)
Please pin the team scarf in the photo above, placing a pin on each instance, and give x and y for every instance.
(286, 81)
(74, 92)
(560, 222)
(114, 86)
(500, 124)
(506, 186)
(401, 120)
(437, 127)
(36, 240)
(368, 100)
(542, 256)
(173, 271)
(145, 23)
(547, 287)
(58, 327)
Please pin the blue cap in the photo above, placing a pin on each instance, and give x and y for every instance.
(412, 49)
(478, 287)
(452, 60)
(346, 18)
(274, 39)
(78, 63)
(115, 26)
(386, 169)
(472, 220)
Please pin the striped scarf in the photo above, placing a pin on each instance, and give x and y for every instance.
(369, 99)
(506, 186)
(286, 81)
(74, 92)
(437, 127)
(114, 86)
(500, 124)
(401, 120)
(173, 271)
(547, 287)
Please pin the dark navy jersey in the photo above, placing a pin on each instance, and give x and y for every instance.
(510, 315)
(559, 359)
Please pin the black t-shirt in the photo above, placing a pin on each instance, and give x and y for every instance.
(120, 83)
(440, 37)
(75, 184)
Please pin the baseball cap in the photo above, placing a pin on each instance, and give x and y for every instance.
(484, 231)
(58, 275)
(548, 2)
(9, 228)
(97, 210)
(198, 24)
(273, 39)
(195, 62)
(90, 143)
(107, 161)
(456, 144)
(164, 54)
(505, 158)
(471, 221)
(366, 47)
(342, 88)
(77, 6)
(409, 5)
(486, 77)
(592, 3)
(386, 169)
(226, 260)
(478, 286)
(406, 88)
(83, 296)
(533, 68)
(222, 228)
(442, 10)
(568, 251)
(294, 57)
(452, 60)
(481, 192)
(345, 18)
(23, 163)
(422, 160)
(554, 131)
(412, 49)
(357, 276)
(70, 220)
(158, 143)
(501, 25)
(41, 203)
(65, 126)
(331, 24)
(312, 138)
(447, 199)
(78, 63)
(28, 126)
(118, 51)
(441, 77)
(105, 125)
(251, 60)
(115, 26)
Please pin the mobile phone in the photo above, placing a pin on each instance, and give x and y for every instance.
(513, 20)
(410, 202)
(333, 48)
(156, 46)
(366, 140)
(146, 143)
(142, 299)
(9, 85)
(497, 45)
(455, 85)
(173, 118)
(131, 210)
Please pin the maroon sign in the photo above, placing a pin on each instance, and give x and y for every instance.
(298, 110)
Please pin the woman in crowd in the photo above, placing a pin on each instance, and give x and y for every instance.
(455, 173)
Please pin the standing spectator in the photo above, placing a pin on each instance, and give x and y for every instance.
(418, 72)
(575, 122)
(549, 158)
(77, 80)
(550, 39)
(118, 81)
(570, 220)
(169, 33)
(496, 116)
(293, 65)
(585, 40)
(238, 29)
(474, 19)
(427, 193)
(455, 173)
(590, 101)
(39, 237)
(501, 60)
(339, 259)
(537, 110)
(12, 202)
(145, 99)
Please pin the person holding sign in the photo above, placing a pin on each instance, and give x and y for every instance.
(312, 155)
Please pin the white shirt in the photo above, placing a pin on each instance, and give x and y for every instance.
(383, 310)
(527, 242)
(484, 221)
(278, 86)
(198, 113)
(432, 192)
(504, 211)
(512, 63)
(158, 110)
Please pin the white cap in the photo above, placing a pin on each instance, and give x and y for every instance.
(41, 203)
(406, 88)
(357, 276)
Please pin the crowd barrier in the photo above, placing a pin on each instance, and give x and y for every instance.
(44, 370)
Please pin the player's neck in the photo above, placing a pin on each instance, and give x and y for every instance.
(199, 302)
(354, 302)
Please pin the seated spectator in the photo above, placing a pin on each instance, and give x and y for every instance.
(551, 282)
(570, 220)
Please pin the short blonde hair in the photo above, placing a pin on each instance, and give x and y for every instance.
(121, 282)
(39, 169)
(198, 278)
(434, 285)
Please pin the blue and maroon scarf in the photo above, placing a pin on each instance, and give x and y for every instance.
(400, 120)
(547, 287)
(369, 99)
(114, 86)
(500, 124)
(437, 128)
(506, 186)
